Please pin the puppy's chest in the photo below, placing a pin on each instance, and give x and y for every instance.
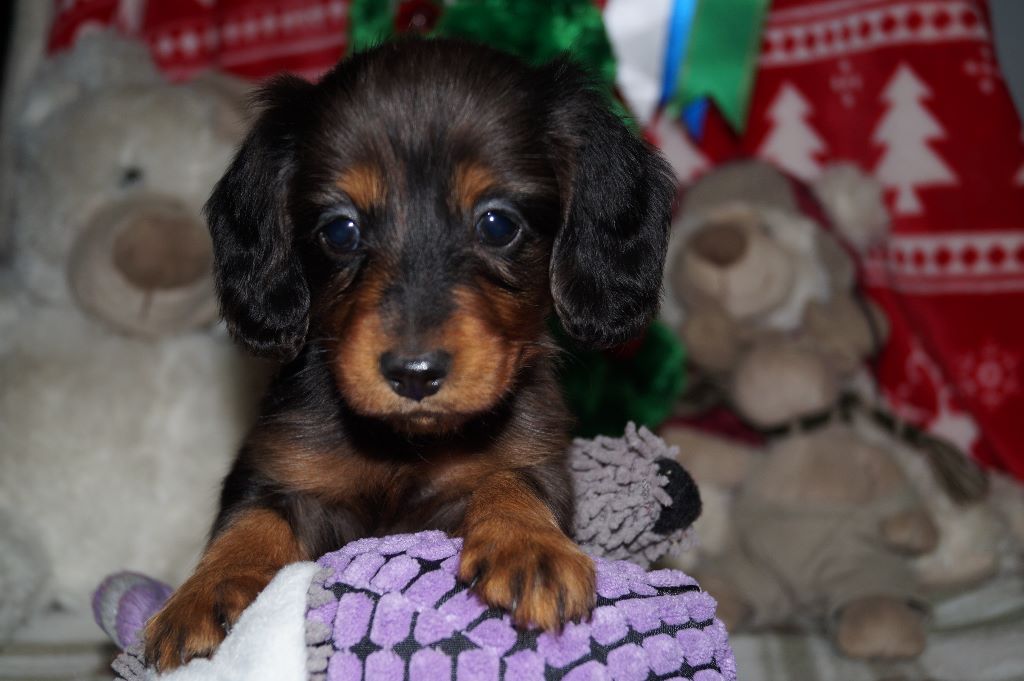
(429, 494)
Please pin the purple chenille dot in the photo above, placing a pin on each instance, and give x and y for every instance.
(396, 574)
(670, 578)
(664, 654)
(697, 647)
(431, 627)
(344, 666)
(477, 665)
(433, 550)
(336, 562)
(362, 569)
(608, 625)
(495, 634)
(384, 665)
(360, 546)
(526, 665)
(700, 605)
(674, 611)
(708, 675)
(391, 620)
(640, 589)
(397, 543)
(727, 665)
(433, 545)
(561, 650)
(628, 663)
(324, 614)
(718, 635)
(639, 614)
(462, 608)
(668, 608)
(611, 585)
(588, 671)
(628, 570)
(429, 665)
(352, 620)
(430, 587)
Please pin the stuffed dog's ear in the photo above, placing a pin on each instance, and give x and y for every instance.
(616, 194)
(263, 293)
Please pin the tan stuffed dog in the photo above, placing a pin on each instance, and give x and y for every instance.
(821, 524)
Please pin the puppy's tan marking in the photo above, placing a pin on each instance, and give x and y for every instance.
(364, 185)
(491, 335)
(237, 564)
(470, 182)
(361, 340)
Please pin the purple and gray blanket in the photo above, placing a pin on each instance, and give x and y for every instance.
(391, 608)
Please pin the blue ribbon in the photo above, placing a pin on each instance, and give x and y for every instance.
(683, 13)
(695, 115)
(680, 28)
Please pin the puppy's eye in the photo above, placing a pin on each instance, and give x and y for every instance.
(340, 235)
(495, 228)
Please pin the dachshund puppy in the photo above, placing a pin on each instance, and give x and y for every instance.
(397, 235)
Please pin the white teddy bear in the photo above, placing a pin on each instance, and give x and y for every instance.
(120, 405)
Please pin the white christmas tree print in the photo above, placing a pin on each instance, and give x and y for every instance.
(905, 130)
(792, 143)
(685, 158)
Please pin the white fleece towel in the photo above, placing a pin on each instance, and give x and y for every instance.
(268, 643)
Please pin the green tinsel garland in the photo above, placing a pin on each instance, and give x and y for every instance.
(534, 30)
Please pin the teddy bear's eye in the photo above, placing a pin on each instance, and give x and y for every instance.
(131, 176)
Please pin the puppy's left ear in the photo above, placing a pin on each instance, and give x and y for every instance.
(616, 193)
(263, 293)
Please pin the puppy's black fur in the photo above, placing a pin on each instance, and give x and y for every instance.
(414, 145)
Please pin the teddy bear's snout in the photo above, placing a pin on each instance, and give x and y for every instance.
(162, 250)
(721, 245)
(144, 266)
(734, 260)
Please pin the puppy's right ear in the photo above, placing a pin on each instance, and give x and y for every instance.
(263, 293)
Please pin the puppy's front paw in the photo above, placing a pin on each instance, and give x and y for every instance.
(197, 617)
(540, 577)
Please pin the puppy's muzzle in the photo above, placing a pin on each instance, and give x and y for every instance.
(415, 377)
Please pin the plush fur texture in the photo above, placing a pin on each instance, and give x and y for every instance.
(415, 143)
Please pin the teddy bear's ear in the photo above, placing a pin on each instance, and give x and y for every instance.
(100, 60)
(229, 97)
(263, 292)
(616, 193)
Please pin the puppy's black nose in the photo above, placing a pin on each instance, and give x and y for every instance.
(415, 377)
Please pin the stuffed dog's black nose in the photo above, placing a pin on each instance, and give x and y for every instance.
(415, 377)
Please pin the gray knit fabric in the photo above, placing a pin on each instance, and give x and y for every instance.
(615, 514)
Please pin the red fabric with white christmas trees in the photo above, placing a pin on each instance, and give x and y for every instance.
(909, 89)
(249, 38)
